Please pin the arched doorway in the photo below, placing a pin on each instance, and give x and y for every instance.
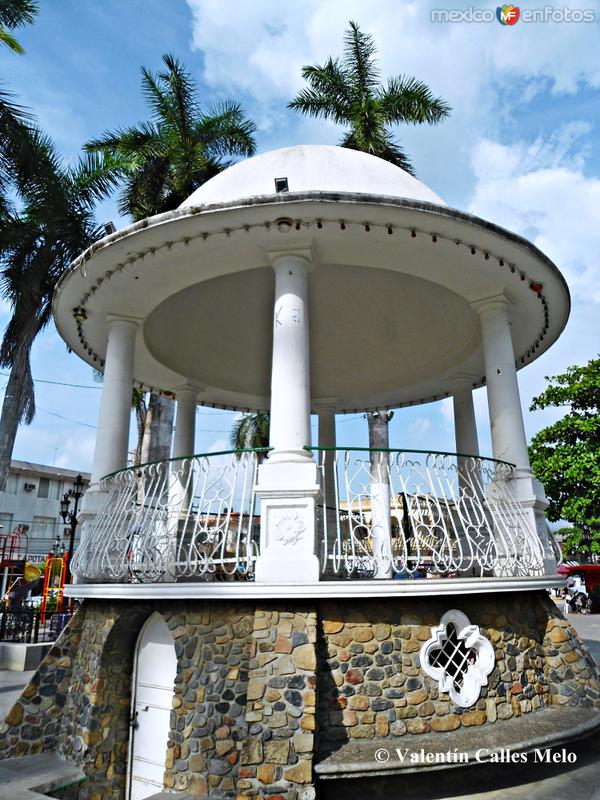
(152, 693)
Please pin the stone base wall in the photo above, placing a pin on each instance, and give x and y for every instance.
(371, 685)
(264, 691)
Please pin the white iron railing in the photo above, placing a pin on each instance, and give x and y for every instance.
(191, 518)
(408, 513)
(383, 514)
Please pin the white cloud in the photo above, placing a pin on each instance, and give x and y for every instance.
(541, 191)
(420, 426)
(485, 71)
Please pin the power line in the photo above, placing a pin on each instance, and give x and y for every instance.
(58, 383)
(66, 419)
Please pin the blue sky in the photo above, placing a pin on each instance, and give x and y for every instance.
(520, 148)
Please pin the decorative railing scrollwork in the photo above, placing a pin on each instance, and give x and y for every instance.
(182, 519)
(448, 515)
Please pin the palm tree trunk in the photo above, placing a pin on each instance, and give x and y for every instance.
(158, 429)
(381, 529)
(9, 422)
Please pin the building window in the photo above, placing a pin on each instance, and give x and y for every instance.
(56, 489)
(43, 528)
(44, 487)
(6, 520)
(11, 483)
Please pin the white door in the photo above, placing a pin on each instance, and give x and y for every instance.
(154, 677)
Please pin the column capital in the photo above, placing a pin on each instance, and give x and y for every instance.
(324, 405)
(295, 248)
(137, 321)
(495, 302)
(461, 380)
(187, 388)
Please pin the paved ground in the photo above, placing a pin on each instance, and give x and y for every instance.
(11, 686)
(579, 781)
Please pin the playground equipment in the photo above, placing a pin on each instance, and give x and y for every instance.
(54, 584)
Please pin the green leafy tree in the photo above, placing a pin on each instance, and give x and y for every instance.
(565, 456)
(160, 162)
(14, 14)
(348, 91)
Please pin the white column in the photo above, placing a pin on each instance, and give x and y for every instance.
(327, 439)
(380, 493)
(328, 461)
(509, 442)
(290, 376)
(181, 479)
(465, 431)
(288, 485)
(465, 427)
(506, 418)
(185, 422)
(183, 446)
(112, 438)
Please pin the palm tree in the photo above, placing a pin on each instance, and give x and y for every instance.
(349, 92)
(250, 431)
(161, 162)
(53, 224)
(14, 14)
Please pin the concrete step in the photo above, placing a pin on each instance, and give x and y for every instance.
(32, 777)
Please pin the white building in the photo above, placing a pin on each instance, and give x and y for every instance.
(32, 498)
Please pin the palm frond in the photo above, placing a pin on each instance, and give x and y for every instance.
(406, 99)
(349, 92)
(126, 141)
(182, 93)
(327, 95)
(250, 431)
(225, 130)
(11, 42)
(94, 176)
(359, 59)
(15, 13)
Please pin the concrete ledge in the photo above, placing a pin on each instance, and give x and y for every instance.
(20, 656)
(32, 777)
(246, 590)
(540, 730)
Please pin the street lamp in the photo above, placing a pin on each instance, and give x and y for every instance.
(70, 517)
(58, 547)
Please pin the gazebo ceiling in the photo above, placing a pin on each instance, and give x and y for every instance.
(390, 289)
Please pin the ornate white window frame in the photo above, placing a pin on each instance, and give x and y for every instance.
(471, 656)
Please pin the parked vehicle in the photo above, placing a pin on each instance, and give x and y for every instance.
(590, 575)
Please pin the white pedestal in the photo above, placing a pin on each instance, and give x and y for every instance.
(288, 495)
(531, 495)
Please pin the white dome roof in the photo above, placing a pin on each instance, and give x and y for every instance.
(311, 167)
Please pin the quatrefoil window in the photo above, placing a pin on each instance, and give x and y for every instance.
(458, 657)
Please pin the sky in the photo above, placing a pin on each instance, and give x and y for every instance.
(519, 149)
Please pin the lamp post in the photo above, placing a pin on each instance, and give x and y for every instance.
(70, 517)
(58, 546)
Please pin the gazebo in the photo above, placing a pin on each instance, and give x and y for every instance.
(312, 279)
(284, 589)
